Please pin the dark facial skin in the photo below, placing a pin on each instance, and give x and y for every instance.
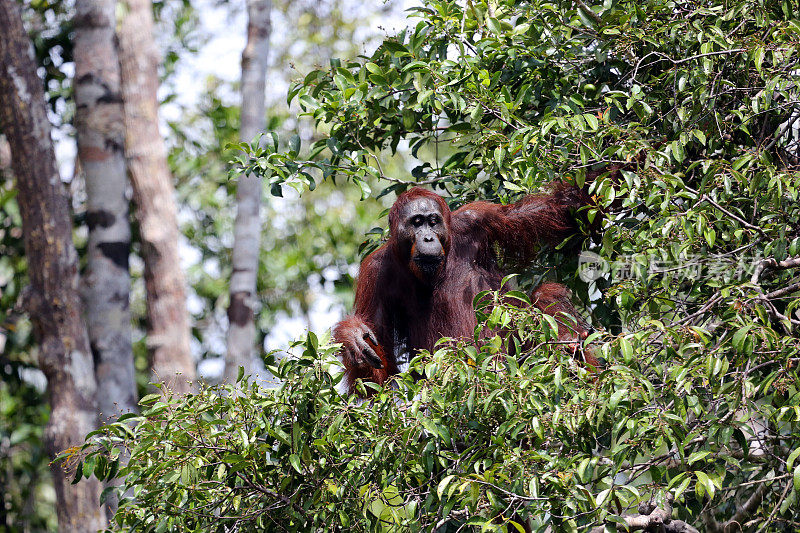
(423, 232)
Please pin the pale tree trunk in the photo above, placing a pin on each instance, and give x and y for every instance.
(247, 228)
(106, 284)
(168, 320)
(5, 153)
(53, 301)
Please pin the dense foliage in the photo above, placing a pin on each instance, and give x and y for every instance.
(693, 288)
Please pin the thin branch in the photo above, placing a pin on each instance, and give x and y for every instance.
(747, 509)
(706, 198)
(713, 300)
(776, 507)
(684, 60)
(782, 131)
(783, 292)
(717, 53)
(771, 263)
(743, 222)
(707, 516)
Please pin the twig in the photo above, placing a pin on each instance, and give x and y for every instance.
(705, 198)
(530, 352)
(707, 516)
(717, 53)
(396, 180)
(684, 60)
(713, 300)
(743, 222)
(771, 264)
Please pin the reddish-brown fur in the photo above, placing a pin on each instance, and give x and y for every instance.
(367, 373)
(406, 314)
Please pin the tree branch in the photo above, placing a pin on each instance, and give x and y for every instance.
(780, 133)
(651, 516)
(783, 292)
(743, 222)
(771, 264)
(737, 218)
(747, 509)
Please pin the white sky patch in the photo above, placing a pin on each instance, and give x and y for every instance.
(225, 30)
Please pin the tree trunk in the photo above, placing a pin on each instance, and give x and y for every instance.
(5, 154)
(106, 284)
(247, 228)
(168, 320)
(53, 300)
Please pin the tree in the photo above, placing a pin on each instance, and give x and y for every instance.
(168, 321)
(309, 245)
(53, 301)
(247, 227)
(100, 132)
(691, 423)
(24, 470)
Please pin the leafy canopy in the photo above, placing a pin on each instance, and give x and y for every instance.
(697, 409)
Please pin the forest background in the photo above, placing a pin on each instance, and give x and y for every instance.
(309, 247)
(680, 118)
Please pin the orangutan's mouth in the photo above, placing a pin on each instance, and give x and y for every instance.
(428, 264)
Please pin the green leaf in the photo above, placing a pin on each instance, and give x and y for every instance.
(697, 456)
(758, 58)
(373, 68)
(792, 458)
(626, 348)
(395, 47)
(149, 399)
(364, 186)
(740, 338)
(294, 460)
(796, 479)
(552, 326)
(616, 398)
(443, 485)
(499, 155)
(494, 25)
(704, 484)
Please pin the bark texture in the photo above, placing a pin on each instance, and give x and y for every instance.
(106, 283)
(247, 228)
(653, 518)
(168, 320)
(53, 300)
